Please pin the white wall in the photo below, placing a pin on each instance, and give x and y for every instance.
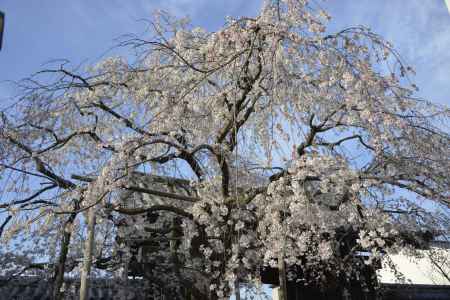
(419, 270)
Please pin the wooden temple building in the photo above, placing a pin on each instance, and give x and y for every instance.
(141, 265)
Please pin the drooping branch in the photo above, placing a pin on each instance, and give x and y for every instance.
(28, 199)
(40, 166)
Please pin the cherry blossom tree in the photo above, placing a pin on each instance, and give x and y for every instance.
(299, 149)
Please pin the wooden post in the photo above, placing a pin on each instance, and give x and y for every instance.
(237, 291)
(282, 292)
(88, 251)
(124, 281)
(276, 293)
(2, 26)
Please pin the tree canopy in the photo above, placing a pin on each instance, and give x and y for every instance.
(289, 138)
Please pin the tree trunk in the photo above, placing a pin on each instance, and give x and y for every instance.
(60, 268)
(87, 261)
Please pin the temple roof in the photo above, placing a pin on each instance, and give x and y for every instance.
(35, 288)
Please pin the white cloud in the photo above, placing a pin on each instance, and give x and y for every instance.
(419, 29)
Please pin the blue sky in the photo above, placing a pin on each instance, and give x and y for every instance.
(83, 30)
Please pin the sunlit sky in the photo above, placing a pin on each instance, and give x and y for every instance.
(82, 31)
